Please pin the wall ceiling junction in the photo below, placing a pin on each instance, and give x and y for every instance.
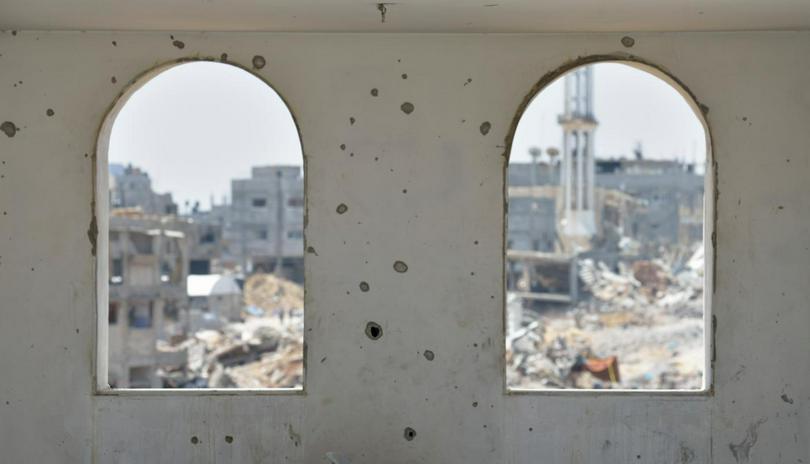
(511, 16)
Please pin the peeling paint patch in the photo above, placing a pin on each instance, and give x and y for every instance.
(9, 128)
(485, 127)
(686, 455)
(742, 450)
(400, 267)
(786, 398)
(407, 107)
(92, 231)
(258, 62)
(295, 437)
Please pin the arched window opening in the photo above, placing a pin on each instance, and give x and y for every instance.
(201, 175)
(606, 262)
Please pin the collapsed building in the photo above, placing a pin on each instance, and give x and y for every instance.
(148, 263)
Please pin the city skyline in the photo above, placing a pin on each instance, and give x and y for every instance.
(253, 127)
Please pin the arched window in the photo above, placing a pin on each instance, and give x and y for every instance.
(201, 234)
(607, 267)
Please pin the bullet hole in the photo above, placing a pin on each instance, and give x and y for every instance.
(323, 360)
(364, 287)
(113, 80)
(404, 190)
(194, 440)
(404, 76)
(228, 439)
(115, 44)
(703, 108)
(429, 355)
(374, 92)
(485, 127)
(376, 158)
(343, 146)
(786, 398)
(223, 57)
(49, 112)
(13, 32)
(351, 121)
(531, 429)
(475, 404)
(311, 250)
(628, 41)
(258, 62)
(407, 107)
(400, 267)
(468, 81)
(77, 330)
(341, 208)
(744, 118)
(781, 207)
(410, 433)
(9, 128)
(475, 242)
(472, 273)
(351, 155)
(179, 44)
(373, 331)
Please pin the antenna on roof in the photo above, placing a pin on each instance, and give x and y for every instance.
(638, 151)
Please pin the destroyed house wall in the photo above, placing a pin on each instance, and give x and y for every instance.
(421, 179)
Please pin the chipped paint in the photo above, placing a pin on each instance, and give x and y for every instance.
(742, 450)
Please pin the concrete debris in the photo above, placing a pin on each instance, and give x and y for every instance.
(645, 315)
(263, 350)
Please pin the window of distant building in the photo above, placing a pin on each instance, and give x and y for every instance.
(606, 260)
(203, 168)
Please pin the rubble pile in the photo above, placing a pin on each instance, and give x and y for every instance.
(264, 350)
(638, 327)
(273, 294)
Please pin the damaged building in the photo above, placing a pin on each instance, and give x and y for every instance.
(376, 320)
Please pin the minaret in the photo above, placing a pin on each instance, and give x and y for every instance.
(578, 167)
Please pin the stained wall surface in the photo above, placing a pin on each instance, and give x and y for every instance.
(361, 394)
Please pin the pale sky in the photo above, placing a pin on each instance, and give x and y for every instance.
(196, 126)
(631, 106)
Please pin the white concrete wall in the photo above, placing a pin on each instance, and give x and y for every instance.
(361, 394)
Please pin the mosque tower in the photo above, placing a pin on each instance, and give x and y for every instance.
(578, 166)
